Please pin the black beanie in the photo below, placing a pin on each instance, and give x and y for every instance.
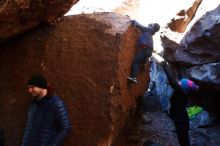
(156, 27)
(38, 81)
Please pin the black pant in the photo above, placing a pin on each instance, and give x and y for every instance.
(140, 57)
(182, 131)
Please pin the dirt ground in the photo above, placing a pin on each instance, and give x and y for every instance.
(151, 124)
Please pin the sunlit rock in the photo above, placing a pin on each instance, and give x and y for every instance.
(123, 7)
(129, 7)
(169, 42)
(184, 16)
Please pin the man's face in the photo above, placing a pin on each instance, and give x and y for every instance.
(35, 91)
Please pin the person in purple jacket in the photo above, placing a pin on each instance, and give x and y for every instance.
(145, 46)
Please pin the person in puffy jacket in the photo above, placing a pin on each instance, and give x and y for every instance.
(145, 46)
(47, 122)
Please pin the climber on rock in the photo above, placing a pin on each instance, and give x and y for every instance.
(145, 46)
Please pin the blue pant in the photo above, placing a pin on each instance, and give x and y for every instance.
(140, 57)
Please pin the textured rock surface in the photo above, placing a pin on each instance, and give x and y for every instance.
(177, 26)
(129, 7)
(87, 60)
(209, 73)
(18, 16)
(198, 53)
(124, 7)
(170, 45)
(171, 37)
(201, 44)
(183, 18)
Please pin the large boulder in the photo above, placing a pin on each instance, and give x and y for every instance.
(174, 32)
(201, 44)
(209, 73)
(87, 59)
(123, 7)
(18, 16)
(180, 24)
(170, 44)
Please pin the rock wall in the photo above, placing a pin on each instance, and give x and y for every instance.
(175, 29)
(87, 59)
(184, 16)
(201, 45)
(199, 50)
(20, 16)
(169, 46)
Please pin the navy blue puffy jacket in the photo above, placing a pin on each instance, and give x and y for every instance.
(146, 37)
(47, 124)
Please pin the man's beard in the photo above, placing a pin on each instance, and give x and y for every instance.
(36, 95)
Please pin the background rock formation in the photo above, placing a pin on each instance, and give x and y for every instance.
(87, 59)
(176, 28)
(183, 18)
(124, 7)
(199, 50)
(171, 35)
(209, 73)
(129, 7)
(170, 45)
(201, 43)
(197, 57)
(18, 16)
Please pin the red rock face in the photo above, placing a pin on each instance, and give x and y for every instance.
(87, 59)
(19, 16)
(184, 17)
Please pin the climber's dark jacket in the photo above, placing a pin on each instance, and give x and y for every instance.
(47, 123)
(146, 38)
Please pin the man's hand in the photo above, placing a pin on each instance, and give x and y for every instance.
(157, 57)
(164, 63)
